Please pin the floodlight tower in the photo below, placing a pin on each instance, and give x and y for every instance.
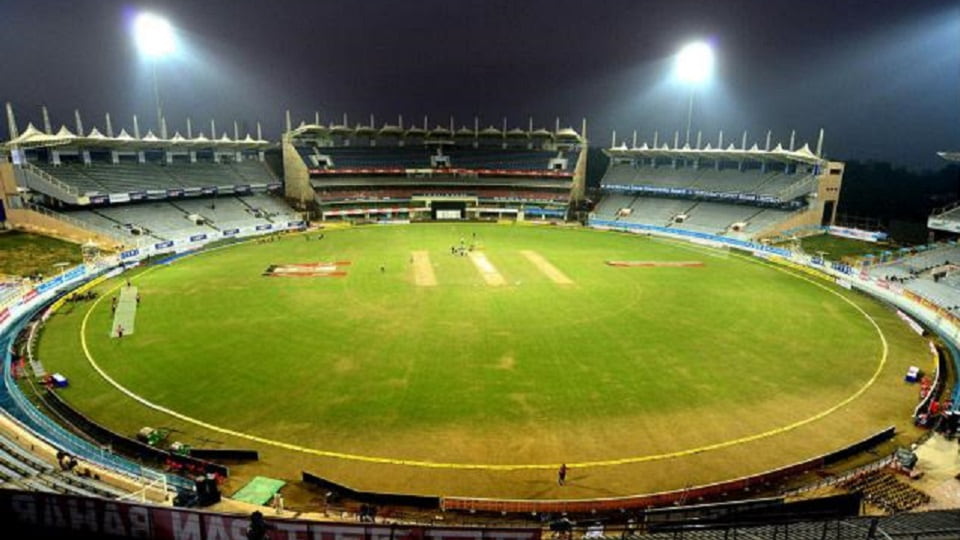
(155, 39)
(694, 65)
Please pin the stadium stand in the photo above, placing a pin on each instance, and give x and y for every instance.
(932, 273)
(389, 170)
(105, 178)
(715, 218)
(886, 491)
(946, 219)
(931, 525)
(746, 193)
(133, 190)
(174, 219)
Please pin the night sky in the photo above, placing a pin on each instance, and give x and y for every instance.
(881, 76)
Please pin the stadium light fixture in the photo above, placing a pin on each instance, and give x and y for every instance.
(694, 65)
(155, 39)
(154, 35)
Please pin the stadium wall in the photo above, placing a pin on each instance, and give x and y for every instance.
(829, 191)
(64, 516)
(9, 196)
(296, 176)
(823, 208)
(33, 221)
(579, 188)
(766, 480)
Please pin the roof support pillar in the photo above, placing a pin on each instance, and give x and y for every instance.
(192, 154)
(763, 164)
(676, 144)
(656, 141)
(716, 162)
(213, 137)
(743, 146)
(84, 154)
(47, 128)
(504, 134)
(259, 138)
(114, 155)
(238, 154)
(167, 155)
(141, 157)
(11, 123)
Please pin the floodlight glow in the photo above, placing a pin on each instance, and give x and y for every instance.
(154, 35)
(695, 62)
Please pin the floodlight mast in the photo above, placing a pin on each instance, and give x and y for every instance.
(155, 39)
(156, 97)
(694, 65)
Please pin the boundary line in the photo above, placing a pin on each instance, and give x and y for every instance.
(505, 467)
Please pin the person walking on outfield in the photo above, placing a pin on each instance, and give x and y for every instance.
(119, 331)
(562, 475)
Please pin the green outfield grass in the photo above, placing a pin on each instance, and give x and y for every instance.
(624, 362)
(836, 248)
(26, 254)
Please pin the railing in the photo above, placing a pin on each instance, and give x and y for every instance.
(47, 177)
(834, 480)
(795, 189)
(943, 210)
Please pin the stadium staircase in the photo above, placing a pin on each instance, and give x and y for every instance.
(42, 181)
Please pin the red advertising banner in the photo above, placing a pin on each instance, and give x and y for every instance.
(30, 295)
(4, 315)
(90, 516)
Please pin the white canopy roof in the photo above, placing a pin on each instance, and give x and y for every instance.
(34, 138)
(754, 153)
(319, 130)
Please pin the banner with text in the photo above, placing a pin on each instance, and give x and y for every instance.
(89, 516)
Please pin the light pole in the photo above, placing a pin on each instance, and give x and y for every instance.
(155, 39)
(694, 65)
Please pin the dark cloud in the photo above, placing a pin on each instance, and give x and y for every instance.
(882, 77)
